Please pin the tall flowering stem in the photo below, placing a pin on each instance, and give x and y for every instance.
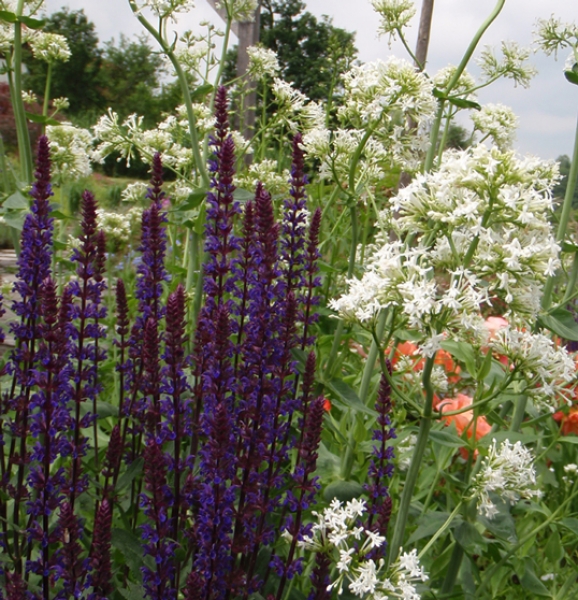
(86, 313)
(33, 268)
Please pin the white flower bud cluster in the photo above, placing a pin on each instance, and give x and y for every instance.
(167, 8)
(540, 361)
(507, 471)
(267, 172)
(513, 64)
(552, 35)
(498, 122)
(395, 15)
(239, 10)
(339, 534)
(70, 149)
(49, 47)
(120, 228)
(263, 62)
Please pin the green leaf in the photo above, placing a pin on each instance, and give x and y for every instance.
(9, 17)
(130, 547)
(553, 549)
(439, 94)
(15, 219)
(569, 439)
(572, 74)
(486, 367)
(529, 581)
(348, 397)
(201, 92)
(469, 538)
(193, 200)
(199, 226)
(462, 351)
(134, 592)
(17, 201)
(463, 103)
(570, 523)
(242, 195)
(60, 216)
(429, 524)
(342, 490)
(128, 476)
(562, 323)
(446, 438)
(42, 119)
(32, 23)
(105, 409)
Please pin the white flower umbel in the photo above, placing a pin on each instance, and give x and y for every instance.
(49, 47)
(507, 471)
(537, 358)
(552, 35)
(395, 15)
(498, 122)
(461, 88)
(338, 534)
(166, 8)
(69, 151)
(239, 10)
(262, 62)
(512, 64)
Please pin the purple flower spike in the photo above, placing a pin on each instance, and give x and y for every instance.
(155, 192)
(101, 575)
(381, 467)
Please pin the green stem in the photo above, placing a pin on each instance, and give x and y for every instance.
(412, 475)
(47, 92)
(372, 357)
(441, 530)
(519, 412)
(454, 80)
(24, 147)
(193, 132)
(564, 217)
(572, 280)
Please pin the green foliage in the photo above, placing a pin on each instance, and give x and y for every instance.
(76, 79)
(130, 80)
(312, 53)
(125, 77)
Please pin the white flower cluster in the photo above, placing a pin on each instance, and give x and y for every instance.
(379, 90)
(29, 97)
(395, 15)
(497, 121)
(120, 228)
(338, 534)
(70, 149)
(538, 358)
(167, 8)
(262, 62)
(239, 10)
(512, 65)
(379, 97)
(267, 172)
(552, 35)
(462, 87)
(49, 47)
(507, 471)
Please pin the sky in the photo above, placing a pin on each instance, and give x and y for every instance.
(547, 110)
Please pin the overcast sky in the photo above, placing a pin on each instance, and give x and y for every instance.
(547, 110)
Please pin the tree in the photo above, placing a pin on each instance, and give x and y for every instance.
(77, 78)
(130, 80)
(312, 53)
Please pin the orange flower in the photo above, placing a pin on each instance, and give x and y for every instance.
(326, 405)
(408, 349)
(569, 421)
(465, 420)
(494, 324)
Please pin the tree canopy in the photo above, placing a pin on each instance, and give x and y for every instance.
(312, 53)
